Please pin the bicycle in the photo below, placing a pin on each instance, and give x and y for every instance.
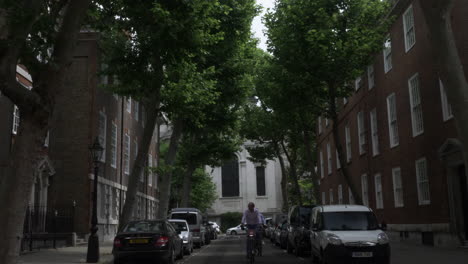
(252, 249)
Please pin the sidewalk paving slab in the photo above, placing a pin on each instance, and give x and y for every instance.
(66, 255)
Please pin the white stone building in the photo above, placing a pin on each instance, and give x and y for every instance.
(241, 181)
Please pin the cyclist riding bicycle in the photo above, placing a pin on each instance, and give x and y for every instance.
(253, 219)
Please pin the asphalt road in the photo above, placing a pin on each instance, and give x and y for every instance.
(231, 249)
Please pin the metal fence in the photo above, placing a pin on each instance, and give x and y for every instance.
(47, 227)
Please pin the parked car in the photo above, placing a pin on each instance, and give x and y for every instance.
(237, 230)
(269, 227)
(213, 231)
(183, 229)
(283, 236)
(216, 227)
(194, 218)
(299, 229)
(275, 235)
(208, 233)
(148, 239)
(346, 234)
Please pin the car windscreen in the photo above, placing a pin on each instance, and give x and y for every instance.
(349, 221)
(180, 226)
(190, 218)
(144, 226)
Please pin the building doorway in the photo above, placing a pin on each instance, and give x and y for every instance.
(464, 197)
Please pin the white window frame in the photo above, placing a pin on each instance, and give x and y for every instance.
(417, 119)
(345, 100)
(447, 113)
(392, 121)
(113, 147)
(16, 120)
(46, 141)
(102, 134)
(128, 104)
(340, 194)
(379, 202)
(409, 29)
(324, 198)
(397, 188)
(362, 133)
(329, 159)
(322, 166)
(387, 55)
(365, 189)
(331, 196)
(422, 178)
(348, 143)
(350, 196)
(370, 76)
(358, 83)
(327, 122)
(127, 153)
(374, 132)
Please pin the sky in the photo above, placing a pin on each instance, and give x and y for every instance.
(257, 25)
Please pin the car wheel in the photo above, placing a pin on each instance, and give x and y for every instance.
(289, 247)
(171, 259)
(181, 253)
(233, 233)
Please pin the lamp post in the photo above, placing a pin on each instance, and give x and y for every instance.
(93, 241)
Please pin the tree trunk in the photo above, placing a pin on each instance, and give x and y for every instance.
(310, 164)
(17, 185)
(293, 172)
(134, 182)
(187, 185)
(36, 109)
(452, 73)
(165, 179)
(339, 147)
(284, 179)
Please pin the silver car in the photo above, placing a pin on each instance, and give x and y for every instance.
(183, 229)
(237, 230)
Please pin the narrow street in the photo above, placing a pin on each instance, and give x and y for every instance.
(231, 249)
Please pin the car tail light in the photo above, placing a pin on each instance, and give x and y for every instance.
(251, 233)
(162, 241)
(117, 243)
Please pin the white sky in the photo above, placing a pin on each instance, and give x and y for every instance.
(257, 25)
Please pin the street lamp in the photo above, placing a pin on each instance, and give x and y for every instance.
(93, 241)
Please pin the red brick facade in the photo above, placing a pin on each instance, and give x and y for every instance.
(413, 218)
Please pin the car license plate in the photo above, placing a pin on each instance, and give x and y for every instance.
(362, 254)
(139, 241)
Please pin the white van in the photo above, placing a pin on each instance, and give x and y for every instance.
(196, 222)
(347, 234)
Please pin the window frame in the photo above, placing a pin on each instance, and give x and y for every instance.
(396, 187)
(409, 30)
(329, 159)
(415, 99)
(322, 166)
(340, 194)
(379, 199)
(374, 132)
(113, 161)
(348, 143)
(371, 76)
(102, 137)
(365, 189)
(387, 54)
(447, 111)
(127, 147)
(394, 136)
(419, 183)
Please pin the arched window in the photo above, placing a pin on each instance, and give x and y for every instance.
(230, 178)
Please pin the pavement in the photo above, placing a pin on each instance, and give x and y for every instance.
(231, 249)
(66, 255)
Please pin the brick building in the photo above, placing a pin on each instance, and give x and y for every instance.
(399, 137)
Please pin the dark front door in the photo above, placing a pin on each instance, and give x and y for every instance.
(464, 197)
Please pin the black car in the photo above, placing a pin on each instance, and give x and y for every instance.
(282, 239)
(148, 239)
(299, 230)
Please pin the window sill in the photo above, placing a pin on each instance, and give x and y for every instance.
(231, 198)
(262, 197)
